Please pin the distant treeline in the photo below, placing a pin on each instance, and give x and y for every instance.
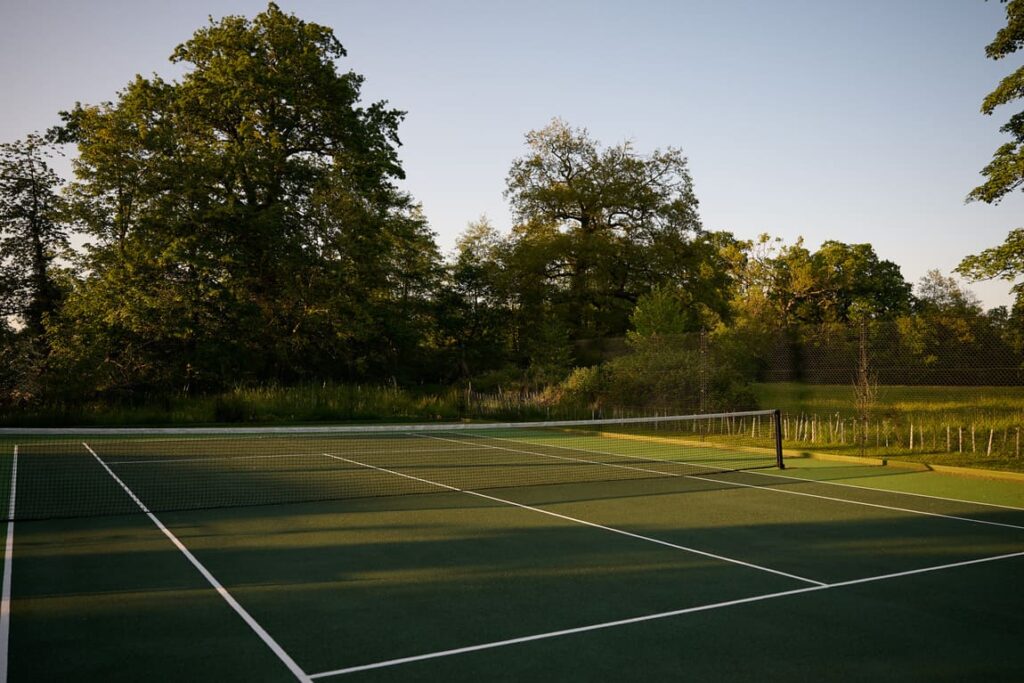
(243, 226)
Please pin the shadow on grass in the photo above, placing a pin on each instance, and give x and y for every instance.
(356, 581)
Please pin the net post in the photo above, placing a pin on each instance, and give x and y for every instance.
(777, 419)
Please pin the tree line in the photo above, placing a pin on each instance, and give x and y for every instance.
(245, 224)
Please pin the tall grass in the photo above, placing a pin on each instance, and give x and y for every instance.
(313, 403)
(965, 426)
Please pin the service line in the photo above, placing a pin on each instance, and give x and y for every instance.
(649, 617)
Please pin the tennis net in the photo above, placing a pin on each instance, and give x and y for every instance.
(91, 472)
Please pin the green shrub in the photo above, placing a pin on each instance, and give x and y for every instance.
(657, 375)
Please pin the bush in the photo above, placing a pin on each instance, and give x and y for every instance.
(657, 375)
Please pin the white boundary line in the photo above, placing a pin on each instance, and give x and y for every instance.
(986, 522)
(776, 475)
(170, 460)
(223, 592)
(902, 493)
(549, 455)
(5, 599)
(703, 477)
(650, 617)
(584, 522)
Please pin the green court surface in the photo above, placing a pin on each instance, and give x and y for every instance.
(822, 571)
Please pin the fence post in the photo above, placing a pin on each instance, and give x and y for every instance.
(702, 370)
(777, 418)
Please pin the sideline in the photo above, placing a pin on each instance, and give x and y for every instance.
(223, 592)
(5, 599)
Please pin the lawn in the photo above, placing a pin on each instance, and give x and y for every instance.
(961, 426)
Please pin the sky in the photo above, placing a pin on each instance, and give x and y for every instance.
(826, 119)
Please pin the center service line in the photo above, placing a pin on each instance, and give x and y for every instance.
(584, 522)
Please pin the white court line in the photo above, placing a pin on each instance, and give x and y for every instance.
(784, 476)
(5, 599)
(549, 455)
(863, 503)
(223, 592)
(704, 477)
(584, 522)
(652, 617)
(902, 493)
(170, 460)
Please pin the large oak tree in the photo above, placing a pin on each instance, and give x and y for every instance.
(244, 220)
(597, 227)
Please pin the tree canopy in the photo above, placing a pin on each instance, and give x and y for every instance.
(1005, 173)
(245, 220)
(837, 283)
(597, 227)
(33, 232)
(244, 224)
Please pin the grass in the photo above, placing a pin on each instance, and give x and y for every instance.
(959, 426)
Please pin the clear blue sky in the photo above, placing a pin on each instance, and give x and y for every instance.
(855, 121)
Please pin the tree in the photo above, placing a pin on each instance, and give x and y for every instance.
(939, 294)
(600, 226)
(950, 333)
(856, 283)
(475, 307)
(32, 233)
(245, 221)
(1005, 262)
(658, 314)
(1005, 173)
(782, 285)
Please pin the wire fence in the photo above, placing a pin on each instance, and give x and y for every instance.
(937, 391)
(909, 388)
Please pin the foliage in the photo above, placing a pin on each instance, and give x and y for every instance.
(599, 227)
(244, 220)
(659, 378)
(549, 352)
(32, 233)
(837, 283)
(246, 235)
(658, 313)
(1005, 262)
(1005, 173)
(473, 305)
(664, 370)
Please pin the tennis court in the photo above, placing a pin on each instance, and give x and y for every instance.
(672, 548)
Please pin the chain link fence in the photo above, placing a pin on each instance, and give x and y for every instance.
(943, 392)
